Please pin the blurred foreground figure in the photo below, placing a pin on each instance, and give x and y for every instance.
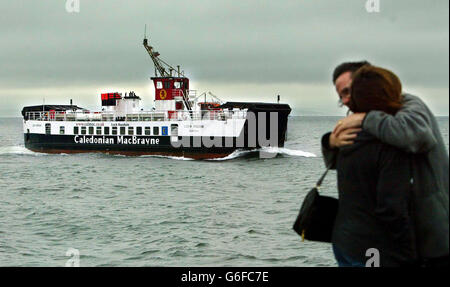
(392, 174)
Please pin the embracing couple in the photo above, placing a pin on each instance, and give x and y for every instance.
(392, 172)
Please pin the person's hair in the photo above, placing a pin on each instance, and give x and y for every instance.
(347, 67)
(375, 88)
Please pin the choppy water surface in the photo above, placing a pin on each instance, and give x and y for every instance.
(155, 211)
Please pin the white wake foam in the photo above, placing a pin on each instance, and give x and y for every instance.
(9, 150)
(289, 152)
(21, 150)
(169, 157)
(271, 150)
(233, 155)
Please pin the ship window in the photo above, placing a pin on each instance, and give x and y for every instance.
(167, 85)
(48, 129)
(83, 130)
(99, 130)
(174, 130)
(106, 130)
(139, 131)
(62, 130)
(176, 85)
(156, 131)
(130, 131)
(147, 131)
(122, 130)
(75, 130)
(114, 130)
(91, 130)
(159, 85)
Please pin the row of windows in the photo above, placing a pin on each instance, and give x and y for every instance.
(166, 85)
(113, 131)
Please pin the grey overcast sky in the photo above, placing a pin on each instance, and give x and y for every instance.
(239, 50)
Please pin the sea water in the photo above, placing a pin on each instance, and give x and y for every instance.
(161, 211)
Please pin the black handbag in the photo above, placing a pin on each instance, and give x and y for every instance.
(316, 218)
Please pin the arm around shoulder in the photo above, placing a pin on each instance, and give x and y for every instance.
(410, 129)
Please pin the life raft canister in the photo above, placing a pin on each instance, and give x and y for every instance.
(52, 114)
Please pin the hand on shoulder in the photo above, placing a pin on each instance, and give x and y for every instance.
(346, 130)
(345, 137)
(351, 121)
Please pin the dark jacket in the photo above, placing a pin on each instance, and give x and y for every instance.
(414, 129)
(375, 203)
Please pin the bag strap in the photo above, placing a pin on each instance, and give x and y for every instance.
(319, 182)
(333, 160)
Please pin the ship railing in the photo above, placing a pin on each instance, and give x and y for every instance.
(176, 93)
(155, 115)
(216, 115)
(179, 93)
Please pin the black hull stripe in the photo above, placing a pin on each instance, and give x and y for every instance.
(66, 144)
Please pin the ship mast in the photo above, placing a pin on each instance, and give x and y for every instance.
(159, 63)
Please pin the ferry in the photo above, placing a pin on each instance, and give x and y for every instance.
(182, 123)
